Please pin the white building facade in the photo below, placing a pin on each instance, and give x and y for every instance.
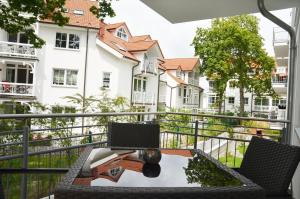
(179, 84)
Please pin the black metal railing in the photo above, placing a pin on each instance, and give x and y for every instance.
(52, 142)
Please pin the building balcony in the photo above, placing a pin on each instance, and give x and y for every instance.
(17, 50)
(143, 98)
(17, 89)
(280, 43)
(193, 81)
(280, 86)
(148, 68)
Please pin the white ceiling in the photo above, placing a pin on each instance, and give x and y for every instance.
(177, 11)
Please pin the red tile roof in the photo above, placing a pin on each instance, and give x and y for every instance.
(185, 64)
(126, 48)
(88, 19)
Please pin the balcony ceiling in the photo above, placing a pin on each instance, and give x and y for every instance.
(177, 11)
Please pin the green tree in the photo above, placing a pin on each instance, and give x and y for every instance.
(232, 49)
(20, 16)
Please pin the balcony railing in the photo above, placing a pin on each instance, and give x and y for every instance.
(7, 88)
(280, 36)
(12, 49)
(53, 142)
(144, 98)
(193, 81)
(277, 82)
(150, 66)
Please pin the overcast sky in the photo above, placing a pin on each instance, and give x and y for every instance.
(175, 39)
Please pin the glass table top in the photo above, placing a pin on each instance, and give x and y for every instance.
(128, 168)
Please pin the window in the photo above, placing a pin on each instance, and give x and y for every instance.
(78, 12)
(121, 33)
(18, 38)
(65, 77)
(72, 77)
(212, 99)
(140, 84)
(179, 91)
(13, 37)
(275, 102)
(106, 80)
(261, 101)
(280, 69)
(63, 109)
(58, 77)
(74, 41)
(278, 102)
(211, 85)
(178, 73)
(246, 100)
(62, 39)
(231, 100)
(19, 74)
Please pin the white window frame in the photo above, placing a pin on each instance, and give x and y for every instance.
(231, 100)
(140, 84)
(245, 100)
(78, 12)
(211, 87)
(103, 80)
(18, 37)
(65, 78)
(67, 41)
(215, 99)
(122, 34)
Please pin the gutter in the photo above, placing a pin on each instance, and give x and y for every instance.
(292, 64)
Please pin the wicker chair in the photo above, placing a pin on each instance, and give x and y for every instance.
(270, 165)
(133, 135)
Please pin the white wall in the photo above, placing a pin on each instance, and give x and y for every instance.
(51, 57)
(100, 60)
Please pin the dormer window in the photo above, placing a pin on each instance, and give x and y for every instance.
(122, 34)
(78, 12)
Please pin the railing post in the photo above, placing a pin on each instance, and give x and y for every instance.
(25, 146)
(25, 161)
(196, 134)
(90, 137)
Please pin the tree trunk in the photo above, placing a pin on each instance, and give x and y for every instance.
(242, 102)
(220, 101)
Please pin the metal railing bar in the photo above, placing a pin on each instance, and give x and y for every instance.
(9, 132)
(230, 117)
(71, 115)
(47, 140)
(67, 127)
(50, 151)
(33, 170)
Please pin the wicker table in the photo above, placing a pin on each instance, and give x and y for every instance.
(180, 174)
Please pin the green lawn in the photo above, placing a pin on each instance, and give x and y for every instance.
(231, 161)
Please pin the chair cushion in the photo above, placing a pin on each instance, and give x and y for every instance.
(270, 165)
(133, 135)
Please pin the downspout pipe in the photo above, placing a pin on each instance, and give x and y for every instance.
(85, 78)
(160, 74)
(292, 64)
(132, 79)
